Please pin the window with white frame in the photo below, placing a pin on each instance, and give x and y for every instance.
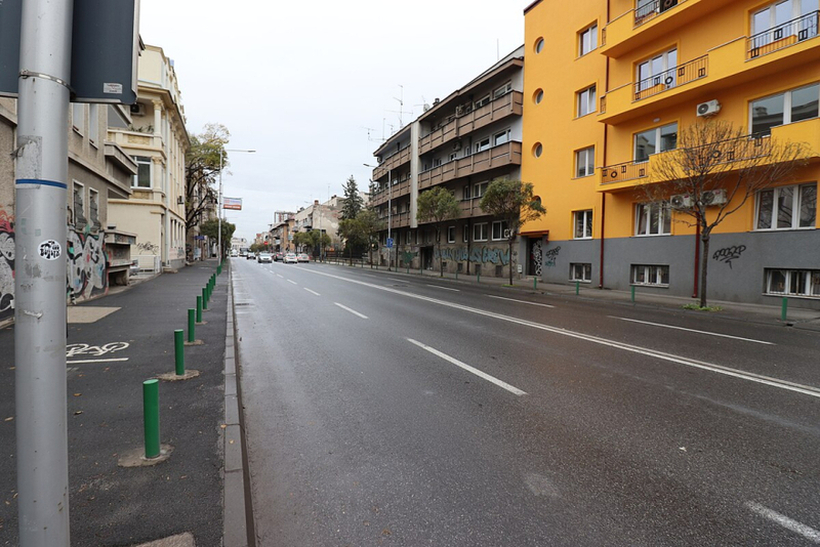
(645, 274)
(587, 40)
(451, 234)
(585, 162)
(483, 144)
(658, 70)
(586, 101)
(94, 207)
(503, 90)
(465, 233)
(582, 222)
(480, 231)
(482, 101)
(793, 282)
(79, 205)
(652, 141)
(580, 272)
(143, 177)
(94, 123)
(78, 117)
(479, 189)
(408, 237)
(787, 107)
(501, 137)
(787, 207)
(783, 19)
(499, 230)
(465, 193)
(653, 219)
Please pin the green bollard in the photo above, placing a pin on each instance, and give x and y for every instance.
(191, 325)
(179, 352)
(633, 293)
(577, 288)
(199, 309)
(535, 283)
(784, 308)
(150, 412)
(204, 298)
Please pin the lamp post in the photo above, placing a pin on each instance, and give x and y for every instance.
(389, 213)
(219, 194)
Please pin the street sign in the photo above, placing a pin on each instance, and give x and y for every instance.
(105, 44)
(232, 203)
(389, 243)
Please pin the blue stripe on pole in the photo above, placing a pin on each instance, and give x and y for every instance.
(42, 182)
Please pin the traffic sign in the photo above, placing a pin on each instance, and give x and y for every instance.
(389, 243)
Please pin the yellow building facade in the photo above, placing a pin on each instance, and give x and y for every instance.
(610, 84)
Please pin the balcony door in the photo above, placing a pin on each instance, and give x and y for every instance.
(785, 19)
(657, 70)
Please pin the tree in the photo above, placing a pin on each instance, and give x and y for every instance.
(210, 228)
(201, 171)
(438, 204)
(353, 202)
(512, 202)
(713, 157)
(370, 226)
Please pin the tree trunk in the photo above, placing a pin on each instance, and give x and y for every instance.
(704, 266)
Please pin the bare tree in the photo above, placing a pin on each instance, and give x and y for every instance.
(513, 202)
(201, 171)
(715, 170)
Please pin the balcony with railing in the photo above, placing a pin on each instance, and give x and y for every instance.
(394, 161)
(731, 64)
(383, 195)
(507, 154)
(721, 156)
(509, 104)
(651, 21)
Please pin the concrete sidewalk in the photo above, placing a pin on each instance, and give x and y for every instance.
(115, 343)
(798, 315)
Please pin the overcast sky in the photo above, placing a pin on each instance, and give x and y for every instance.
(301, 82)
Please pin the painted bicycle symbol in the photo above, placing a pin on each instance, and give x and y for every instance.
(72, 350)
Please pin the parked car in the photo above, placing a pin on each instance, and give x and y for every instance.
(278, 256)
(250, 256)
(290, 258)
(302, 257)
(264, 257)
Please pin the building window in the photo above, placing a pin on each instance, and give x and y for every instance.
(782, 20)
(585, 162)
(580, 272)
(787, 207)
(465, 193)
(479, 189)
(465, 233)
(93, 123)
(659, 70)
(78, 117)
(503, 90)
(537, 150)
(143, 177)
(793, 282)
(408, 237)
(79, 205)
(653, 219)
(538, 96)
(650, 275)
(94, 207)
(539, 45)
(652, 141)
(482, 145)
(789, 107)
(500, 230)
(501, 138)
(451, 234)
(586, 101)
(482, 101)
(582, 220)
(588, 40)
(480, 232)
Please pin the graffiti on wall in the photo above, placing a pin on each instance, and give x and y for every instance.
(536, 258)
(148, 247)
(86, 274)
(728, 254)
(481, 255)
(408, 256)
(551, 257)
(6, 265)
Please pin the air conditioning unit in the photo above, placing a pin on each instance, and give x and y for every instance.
(713, 197)
(666, 4)
(138, 109)
(681, 201)
(457, 145)
(180, 200)
(709, 108)
(507, 233)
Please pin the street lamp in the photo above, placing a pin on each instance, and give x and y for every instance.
(389, 212)
(219, 195)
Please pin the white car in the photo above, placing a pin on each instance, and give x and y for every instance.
(264, 257)
(290, 258)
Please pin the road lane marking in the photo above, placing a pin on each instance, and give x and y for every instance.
(468, 368)
(442, 288)
(694, 363)
(521, 301)
(85, 361)
(292, 281)
(790, 524)
(692, 330)
(354, 312)
(312, 292)
(280, 276)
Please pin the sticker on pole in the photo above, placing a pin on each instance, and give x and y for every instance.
(50, 250)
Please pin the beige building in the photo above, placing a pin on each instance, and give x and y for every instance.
(158, 141)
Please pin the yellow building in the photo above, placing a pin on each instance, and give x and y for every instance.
(610, 84)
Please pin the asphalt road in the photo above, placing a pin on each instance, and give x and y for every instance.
(384, 409)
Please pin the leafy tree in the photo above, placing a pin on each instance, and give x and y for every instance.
(370, 226)
(210, 228)
(353, 202)
(353, 233)
(201, 172)
(438, 205)
(714, 155)
(512, 202)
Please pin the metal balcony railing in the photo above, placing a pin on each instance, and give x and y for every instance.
(674, 77)
(650, 10)
(781, 36)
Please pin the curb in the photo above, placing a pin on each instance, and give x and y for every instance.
(236, 503)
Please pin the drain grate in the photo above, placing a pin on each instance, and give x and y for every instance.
(242, 304)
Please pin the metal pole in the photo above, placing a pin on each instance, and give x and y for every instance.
(199, 309)
(179, 352)
(219, 208)
(191, 325)
(150, 417)
(40, 273)
(389, 216)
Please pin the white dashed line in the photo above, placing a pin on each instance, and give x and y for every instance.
(521, 301)
(443, 288)
(292, 281)
(790, 524)
(692, 330)
(312, 292)
(354, 312)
